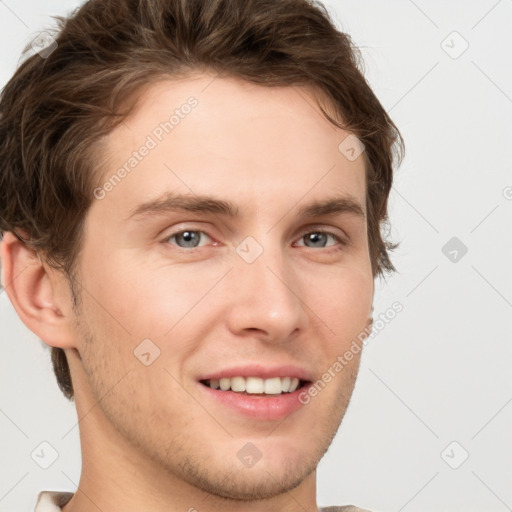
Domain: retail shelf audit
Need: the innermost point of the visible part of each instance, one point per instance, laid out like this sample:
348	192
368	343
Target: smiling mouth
256	386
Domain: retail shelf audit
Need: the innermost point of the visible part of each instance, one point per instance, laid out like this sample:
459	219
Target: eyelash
342	242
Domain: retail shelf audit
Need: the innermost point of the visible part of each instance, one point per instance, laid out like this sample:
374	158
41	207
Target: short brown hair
58	106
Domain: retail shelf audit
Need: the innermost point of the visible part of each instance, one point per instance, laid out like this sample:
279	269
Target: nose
265	299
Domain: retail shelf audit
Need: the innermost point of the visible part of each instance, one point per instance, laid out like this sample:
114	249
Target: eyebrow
171	202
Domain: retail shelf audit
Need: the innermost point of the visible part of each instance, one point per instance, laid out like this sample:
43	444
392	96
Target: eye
187	239
191	239
319	238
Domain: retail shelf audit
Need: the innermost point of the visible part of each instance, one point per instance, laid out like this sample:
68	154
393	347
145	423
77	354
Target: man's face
269	292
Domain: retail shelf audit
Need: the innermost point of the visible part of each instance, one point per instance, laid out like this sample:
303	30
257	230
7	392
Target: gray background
435	384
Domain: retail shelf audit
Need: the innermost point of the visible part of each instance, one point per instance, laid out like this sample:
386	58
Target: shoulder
345	508
52	501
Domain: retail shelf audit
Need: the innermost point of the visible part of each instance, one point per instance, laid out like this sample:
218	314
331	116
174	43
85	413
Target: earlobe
36	293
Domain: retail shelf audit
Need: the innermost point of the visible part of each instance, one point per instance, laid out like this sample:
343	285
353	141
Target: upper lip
261	371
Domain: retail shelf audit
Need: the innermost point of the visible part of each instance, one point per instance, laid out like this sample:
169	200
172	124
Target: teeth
238	384
255	385
225	384
272	386
294	384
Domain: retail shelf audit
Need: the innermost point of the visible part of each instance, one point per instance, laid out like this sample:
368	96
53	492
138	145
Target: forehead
204	134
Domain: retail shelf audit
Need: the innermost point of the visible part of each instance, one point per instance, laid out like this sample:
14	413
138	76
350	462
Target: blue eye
317	239
320	238
189	238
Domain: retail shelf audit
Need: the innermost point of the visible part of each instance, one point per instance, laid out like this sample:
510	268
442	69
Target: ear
40	295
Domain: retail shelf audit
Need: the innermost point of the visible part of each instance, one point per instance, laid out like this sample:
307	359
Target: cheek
144	299
344	305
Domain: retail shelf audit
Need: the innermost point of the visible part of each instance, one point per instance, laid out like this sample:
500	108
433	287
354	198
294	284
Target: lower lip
270	407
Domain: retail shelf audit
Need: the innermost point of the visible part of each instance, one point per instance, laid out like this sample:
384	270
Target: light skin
150	437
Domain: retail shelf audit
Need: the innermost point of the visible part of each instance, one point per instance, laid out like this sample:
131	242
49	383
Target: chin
260	482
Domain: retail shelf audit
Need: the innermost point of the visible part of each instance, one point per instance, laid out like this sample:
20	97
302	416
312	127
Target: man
191	193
